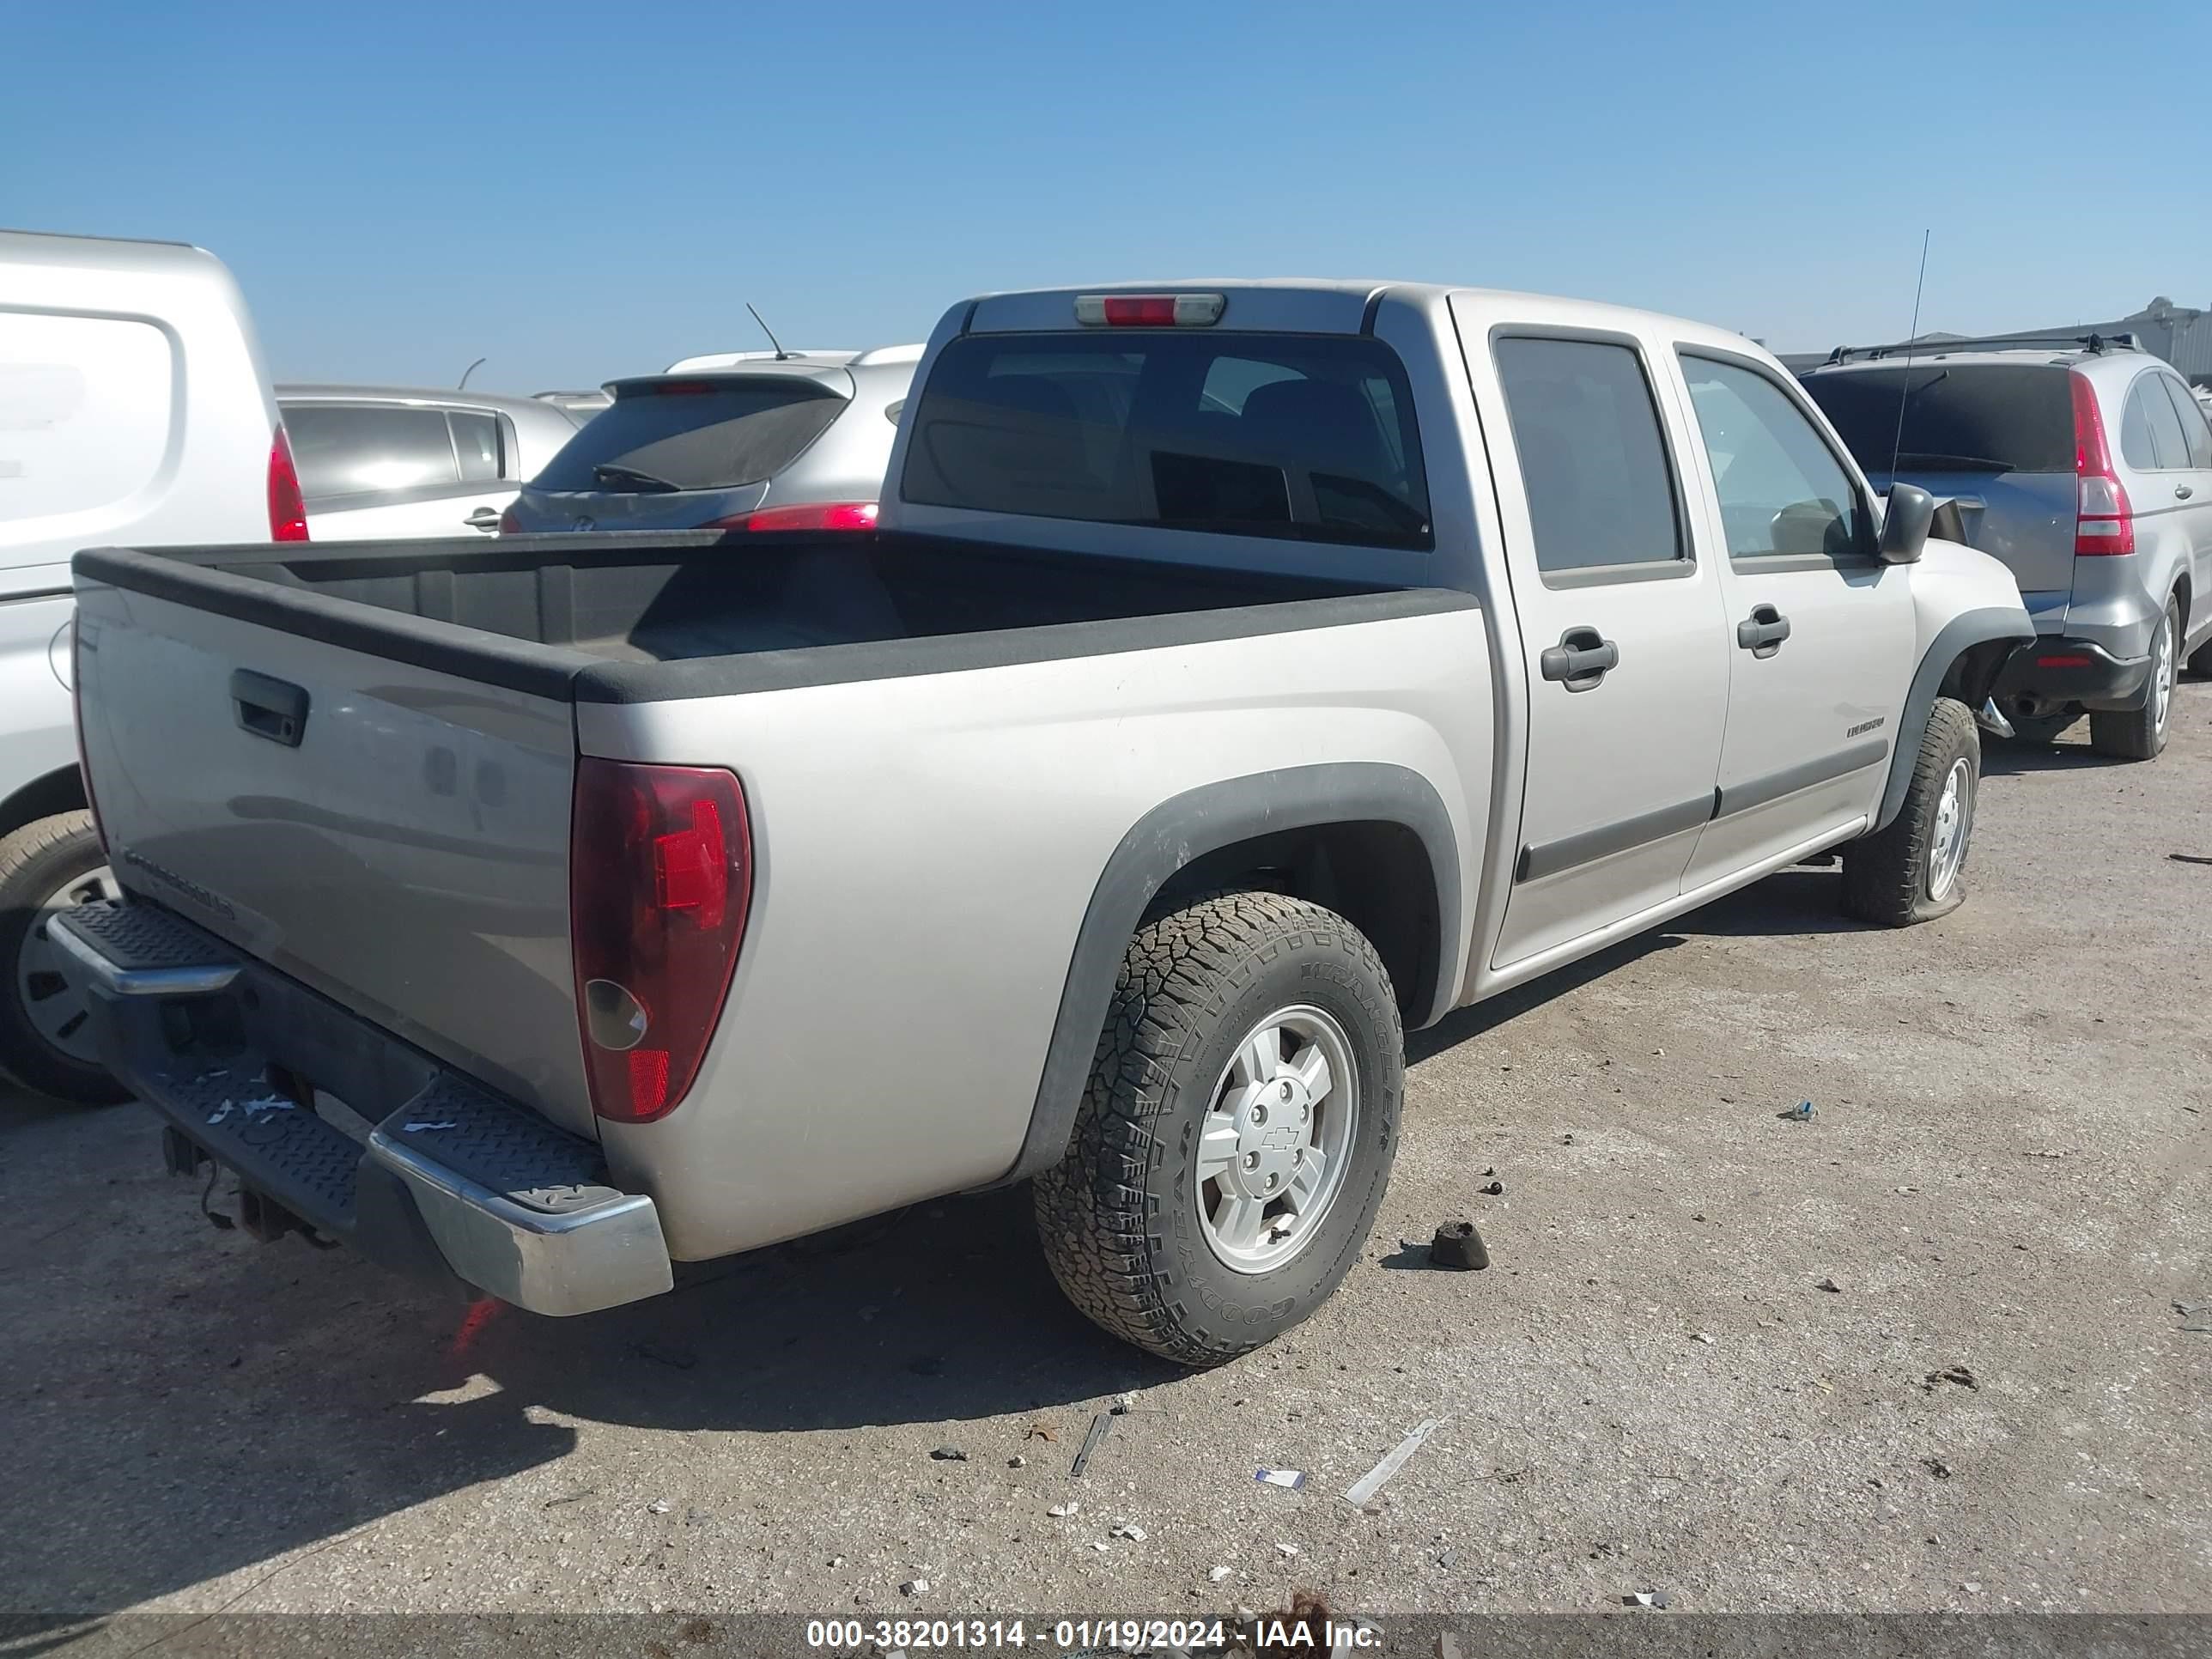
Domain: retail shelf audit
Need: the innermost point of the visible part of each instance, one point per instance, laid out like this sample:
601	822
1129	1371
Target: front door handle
484	518
2183	492
1762	632
1581	659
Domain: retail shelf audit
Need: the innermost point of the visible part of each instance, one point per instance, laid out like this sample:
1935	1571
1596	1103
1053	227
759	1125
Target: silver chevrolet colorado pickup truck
1243	672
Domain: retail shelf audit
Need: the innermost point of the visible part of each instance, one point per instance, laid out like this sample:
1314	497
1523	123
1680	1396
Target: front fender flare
1963	631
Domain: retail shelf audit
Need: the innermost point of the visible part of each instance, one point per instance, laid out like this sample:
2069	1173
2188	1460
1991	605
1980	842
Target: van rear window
1968	417
1300	436
702	433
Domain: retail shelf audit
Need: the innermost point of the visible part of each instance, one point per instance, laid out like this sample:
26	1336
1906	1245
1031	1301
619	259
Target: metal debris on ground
1124	1404
1099	1425
1293	1479
1061	1511
1704	1337
1830	1286
1216	1575
1801	1113
949	1455
1495	1190
1646	1599
1039	1432
1937	1467
1958	1374
1018	1462
1371	1483
915	1587
1123	1529
1288	1549
658	1506
1458	1245
2189	857
2196	1316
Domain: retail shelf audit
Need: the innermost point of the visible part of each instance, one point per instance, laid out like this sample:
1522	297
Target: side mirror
1905	523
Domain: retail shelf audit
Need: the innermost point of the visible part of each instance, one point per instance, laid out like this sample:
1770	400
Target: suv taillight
807	515
2104	521
659	881
288	510
509	524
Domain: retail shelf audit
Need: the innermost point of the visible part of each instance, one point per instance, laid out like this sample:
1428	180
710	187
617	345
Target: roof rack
2095	344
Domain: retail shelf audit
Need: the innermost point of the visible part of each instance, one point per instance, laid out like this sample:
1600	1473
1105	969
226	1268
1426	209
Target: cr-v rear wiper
1964	462
611	472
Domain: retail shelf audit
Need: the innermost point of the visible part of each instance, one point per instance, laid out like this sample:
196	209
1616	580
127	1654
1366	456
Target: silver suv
2086	467
795	442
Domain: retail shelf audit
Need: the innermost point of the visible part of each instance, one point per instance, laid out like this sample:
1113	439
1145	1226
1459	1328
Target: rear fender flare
1186	828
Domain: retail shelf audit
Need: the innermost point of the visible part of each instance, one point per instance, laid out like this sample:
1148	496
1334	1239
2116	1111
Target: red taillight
1150	310
659	881
682	389
813	515
509	524
288	511
2104	522
77	709
2061	662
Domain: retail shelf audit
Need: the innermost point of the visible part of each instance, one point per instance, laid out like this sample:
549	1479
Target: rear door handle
1581	659
272	709
482	519
1762	632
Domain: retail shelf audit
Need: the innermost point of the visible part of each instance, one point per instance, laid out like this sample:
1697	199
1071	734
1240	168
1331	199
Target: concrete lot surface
1998	1406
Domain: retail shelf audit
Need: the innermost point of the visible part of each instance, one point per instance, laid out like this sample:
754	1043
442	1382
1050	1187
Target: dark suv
2086	467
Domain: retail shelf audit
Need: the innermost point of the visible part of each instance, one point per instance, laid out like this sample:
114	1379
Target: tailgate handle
272	709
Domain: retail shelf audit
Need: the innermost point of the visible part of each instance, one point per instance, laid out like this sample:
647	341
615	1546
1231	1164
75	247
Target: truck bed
607	617
356	762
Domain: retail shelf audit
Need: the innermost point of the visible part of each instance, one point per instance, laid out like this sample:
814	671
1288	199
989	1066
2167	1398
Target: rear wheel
2140	734
1912	871
1237	1132
45	1035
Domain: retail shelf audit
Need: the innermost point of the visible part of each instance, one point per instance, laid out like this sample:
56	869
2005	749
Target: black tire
2037	730
35	862
2140	734
1887	875
1119	1215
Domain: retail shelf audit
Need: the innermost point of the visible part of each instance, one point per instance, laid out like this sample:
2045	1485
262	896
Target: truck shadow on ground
2002	759
185	1404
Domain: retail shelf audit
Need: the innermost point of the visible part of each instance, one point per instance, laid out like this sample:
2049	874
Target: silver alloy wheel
1954	822
2161	674
57	1009
1277	1137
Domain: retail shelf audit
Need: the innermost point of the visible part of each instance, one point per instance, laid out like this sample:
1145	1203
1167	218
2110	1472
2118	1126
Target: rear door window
364	449
1961	417
1304	437
2194	429
476	446
1593	460
693	435
2169	447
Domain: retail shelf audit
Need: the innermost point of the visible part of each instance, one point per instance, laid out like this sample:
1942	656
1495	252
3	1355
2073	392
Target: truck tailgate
392	835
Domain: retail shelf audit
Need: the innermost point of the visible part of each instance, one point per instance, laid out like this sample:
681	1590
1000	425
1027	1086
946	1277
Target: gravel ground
1655	1387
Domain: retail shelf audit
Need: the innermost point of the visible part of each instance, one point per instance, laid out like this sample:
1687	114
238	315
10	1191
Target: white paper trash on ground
1371	1483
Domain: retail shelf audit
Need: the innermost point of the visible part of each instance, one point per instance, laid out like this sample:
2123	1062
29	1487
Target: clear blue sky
578	192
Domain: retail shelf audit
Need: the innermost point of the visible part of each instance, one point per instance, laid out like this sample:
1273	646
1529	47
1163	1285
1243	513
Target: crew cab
1242	674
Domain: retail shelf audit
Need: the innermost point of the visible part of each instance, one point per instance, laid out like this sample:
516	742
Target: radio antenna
782	355
1911	339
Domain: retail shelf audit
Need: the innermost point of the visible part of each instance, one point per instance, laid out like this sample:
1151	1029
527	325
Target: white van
134	412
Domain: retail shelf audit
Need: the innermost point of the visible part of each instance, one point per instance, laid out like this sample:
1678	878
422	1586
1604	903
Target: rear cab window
708	433
1964	417
1295	436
